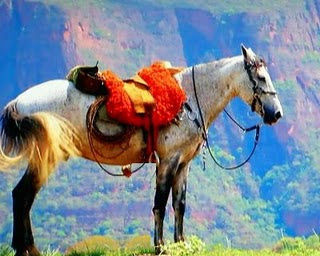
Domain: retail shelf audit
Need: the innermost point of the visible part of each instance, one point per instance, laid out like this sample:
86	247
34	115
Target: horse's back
55	96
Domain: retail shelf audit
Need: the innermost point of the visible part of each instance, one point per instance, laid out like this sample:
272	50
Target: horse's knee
160	202
179	206
18	197
25	191
159	213
15	193
179	200
19	189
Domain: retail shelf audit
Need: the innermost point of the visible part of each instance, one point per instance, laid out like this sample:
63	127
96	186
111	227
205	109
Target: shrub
192	246
94	243
313	242
98	252
51	252
138	242
288	244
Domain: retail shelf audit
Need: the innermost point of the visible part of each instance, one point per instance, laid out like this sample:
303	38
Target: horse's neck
216	84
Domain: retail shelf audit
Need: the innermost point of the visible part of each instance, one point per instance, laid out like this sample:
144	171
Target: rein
205	135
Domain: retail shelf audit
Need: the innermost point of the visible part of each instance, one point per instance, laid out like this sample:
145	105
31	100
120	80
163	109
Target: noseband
258	91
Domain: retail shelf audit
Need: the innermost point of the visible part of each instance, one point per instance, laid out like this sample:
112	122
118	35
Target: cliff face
31	45
41	40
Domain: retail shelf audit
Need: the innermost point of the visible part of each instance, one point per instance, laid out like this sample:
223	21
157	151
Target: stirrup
154	155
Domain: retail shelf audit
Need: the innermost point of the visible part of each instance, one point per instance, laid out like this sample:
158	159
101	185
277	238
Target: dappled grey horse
47	124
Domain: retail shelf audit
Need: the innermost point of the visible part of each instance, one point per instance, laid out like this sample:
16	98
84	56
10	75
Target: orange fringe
168	95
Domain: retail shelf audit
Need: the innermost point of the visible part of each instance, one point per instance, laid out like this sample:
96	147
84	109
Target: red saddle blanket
167	93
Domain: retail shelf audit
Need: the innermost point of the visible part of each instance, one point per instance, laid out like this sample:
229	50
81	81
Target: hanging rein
257	92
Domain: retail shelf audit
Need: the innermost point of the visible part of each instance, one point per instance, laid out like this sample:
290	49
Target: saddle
150	99
87	80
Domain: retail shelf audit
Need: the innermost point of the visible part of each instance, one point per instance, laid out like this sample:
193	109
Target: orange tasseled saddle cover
167	94
149	100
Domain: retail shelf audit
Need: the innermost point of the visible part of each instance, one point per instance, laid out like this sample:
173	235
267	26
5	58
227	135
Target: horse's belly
129	150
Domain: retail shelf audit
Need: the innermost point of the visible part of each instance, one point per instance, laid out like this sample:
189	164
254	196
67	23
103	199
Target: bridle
257	92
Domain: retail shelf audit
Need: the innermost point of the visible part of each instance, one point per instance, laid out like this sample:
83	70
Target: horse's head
258	90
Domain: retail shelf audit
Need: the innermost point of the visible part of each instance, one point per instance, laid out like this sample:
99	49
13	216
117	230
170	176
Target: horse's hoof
181	238
30	251
157	250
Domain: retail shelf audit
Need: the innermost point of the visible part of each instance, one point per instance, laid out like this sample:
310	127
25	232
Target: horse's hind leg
23	196
164	182
179	189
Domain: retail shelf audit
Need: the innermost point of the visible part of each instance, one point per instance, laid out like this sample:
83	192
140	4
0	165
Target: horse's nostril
278	115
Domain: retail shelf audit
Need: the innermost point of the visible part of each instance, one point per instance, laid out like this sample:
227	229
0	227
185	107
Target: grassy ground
194	246
214	252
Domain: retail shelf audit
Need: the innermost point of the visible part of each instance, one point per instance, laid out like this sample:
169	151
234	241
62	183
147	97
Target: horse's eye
262	79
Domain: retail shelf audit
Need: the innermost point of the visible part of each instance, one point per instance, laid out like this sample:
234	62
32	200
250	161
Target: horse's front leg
179	189
164	182
23	196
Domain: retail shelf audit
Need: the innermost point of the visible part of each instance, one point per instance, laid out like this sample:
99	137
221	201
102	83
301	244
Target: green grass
194	246
6	251
214	252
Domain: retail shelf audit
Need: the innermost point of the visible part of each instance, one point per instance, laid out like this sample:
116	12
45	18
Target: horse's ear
244	52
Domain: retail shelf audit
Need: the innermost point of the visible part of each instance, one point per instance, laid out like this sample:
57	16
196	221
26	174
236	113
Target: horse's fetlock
30	250
157	247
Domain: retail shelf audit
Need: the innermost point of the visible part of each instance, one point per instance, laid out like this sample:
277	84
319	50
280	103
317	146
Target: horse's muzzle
272	115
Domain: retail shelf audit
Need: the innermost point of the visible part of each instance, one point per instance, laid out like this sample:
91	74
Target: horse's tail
43	139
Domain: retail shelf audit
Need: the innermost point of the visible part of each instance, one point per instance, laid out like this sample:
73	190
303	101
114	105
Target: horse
46	125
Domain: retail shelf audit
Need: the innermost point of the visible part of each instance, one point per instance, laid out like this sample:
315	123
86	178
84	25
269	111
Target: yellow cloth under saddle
138	91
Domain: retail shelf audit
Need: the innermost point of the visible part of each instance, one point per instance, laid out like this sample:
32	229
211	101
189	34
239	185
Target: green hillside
277	194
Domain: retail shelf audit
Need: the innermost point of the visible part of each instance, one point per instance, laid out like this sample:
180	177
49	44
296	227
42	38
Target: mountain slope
279	189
